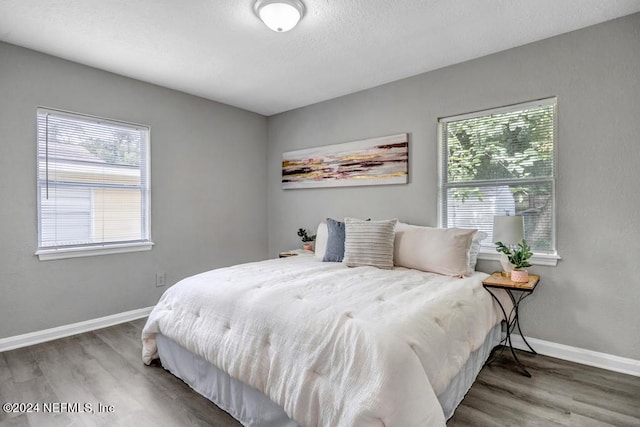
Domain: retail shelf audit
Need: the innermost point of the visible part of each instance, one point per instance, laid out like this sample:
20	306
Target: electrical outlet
161	279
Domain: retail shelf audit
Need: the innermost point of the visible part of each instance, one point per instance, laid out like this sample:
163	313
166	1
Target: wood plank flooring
559	393
104	367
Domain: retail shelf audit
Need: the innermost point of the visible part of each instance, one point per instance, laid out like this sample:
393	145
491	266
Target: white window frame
548	259
61	252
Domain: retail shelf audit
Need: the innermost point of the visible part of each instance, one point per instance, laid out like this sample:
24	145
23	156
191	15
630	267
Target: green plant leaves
518	256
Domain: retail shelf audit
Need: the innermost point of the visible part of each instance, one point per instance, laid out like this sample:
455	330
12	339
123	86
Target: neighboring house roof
70	152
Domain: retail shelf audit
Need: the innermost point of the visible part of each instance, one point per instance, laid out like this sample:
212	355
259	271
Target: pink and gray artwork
374	161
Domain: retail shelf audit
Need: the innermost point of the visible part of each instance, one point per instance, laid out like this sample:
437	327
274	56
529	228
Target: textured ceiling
218	49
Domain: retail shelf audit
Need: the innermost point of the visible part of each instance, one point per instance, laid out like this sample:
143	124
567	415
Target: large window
501	162
93	185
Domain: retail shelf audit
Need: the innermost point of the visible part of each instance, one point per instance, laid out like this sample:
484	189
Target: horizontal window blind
93	181
500	162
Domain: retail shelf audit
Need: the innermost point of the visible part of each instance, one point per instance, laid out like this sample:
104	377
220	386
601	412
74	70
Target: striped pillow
369	243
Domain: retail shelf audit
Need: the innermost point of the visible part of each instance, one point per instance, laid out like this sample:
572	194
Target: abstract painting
374	161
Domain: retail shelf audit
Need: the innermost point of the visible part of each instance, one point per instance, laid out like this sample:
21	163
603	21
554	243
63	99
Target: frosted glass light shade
279	15
508	229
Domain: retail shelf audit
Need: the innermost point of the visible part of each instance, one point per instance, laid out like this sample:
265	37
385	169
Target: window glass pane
510	145
475	207
66	216
118	214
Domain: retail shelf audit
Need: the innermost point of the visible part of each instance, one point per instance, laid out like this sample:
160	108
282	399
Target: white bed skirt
252	408
462	382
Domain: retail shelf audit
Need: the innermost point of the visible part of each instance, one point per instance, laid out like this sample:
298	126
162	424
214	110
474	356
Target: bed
298	341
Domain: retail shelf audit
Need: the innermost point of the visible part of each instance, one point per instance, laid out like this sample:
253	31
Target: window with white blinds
93	185
501	162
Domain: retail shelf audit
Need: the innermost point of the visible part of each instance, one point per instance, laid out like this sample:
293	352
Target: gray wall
208	192
590	300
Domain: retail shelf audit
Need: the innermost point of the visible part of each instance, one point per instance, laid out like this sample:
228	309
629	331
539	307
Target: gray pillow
335	241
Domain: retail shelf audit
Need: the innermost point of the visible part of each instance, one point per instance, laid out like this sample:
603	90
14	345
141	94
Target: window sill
539	259
51	254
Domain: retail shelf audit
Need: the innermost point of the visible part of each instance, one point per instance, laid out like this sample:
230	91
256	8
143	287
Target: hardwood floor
104	367
559	393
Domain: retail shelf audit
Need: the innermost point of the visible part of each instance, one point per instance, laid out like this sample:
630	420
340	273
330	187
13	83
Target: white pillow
369	243
474	250
322	235
402	226
438	250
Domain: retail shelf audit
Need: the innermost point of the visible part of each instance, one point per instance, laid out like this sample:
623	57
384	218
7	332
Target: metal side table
512	319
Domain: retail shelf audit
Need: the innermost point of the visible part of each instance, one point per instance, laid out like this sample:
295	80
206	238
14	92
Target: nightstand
294	252
523	290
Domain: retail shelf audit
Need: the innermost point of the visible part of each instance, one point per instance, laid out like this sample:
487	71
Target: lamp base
507	267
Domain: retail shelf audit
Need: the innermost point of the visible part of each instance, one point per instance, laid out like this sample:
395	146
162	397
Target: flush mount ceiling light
279	15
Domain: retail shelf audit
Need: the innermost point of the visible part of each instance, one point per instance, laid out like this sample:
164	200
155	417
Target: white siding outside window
501	162
93	185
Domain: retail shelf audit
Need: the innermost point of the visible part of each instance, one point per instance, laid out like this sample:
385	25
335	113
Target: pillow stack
382	244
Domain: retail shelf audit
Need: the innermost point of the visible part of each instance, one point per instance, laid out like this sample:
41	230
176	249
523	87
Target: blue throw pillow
335	241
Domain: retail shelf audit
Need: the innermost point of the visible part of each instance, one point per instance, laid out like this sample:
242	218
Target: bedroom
217	198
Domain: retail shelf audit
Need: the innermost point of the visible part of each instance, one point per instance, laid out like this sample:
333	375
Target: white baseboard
547	348
38	337
580	355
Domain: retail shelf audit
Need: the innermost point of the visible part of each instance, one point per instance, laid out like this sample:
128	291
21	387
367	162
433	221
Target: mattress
253	409
331	345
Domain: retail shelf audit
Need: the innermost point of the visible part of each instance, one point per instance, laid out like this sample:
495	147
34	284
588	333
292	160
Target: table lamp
510	231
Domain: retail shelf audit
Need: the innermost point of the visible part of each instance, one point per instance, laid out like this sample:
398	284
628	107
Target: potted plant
306	239
518	256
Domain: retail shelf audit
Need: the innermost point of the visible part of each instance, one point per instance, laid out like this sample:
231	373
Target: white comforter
334	346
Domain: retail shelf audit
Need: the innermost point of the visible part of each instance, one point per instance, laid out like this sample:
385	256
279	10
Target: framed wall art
374	161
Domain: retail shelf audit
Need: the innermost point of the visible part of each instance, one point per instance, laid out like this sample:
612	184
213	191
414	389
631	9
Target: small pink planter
520	276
